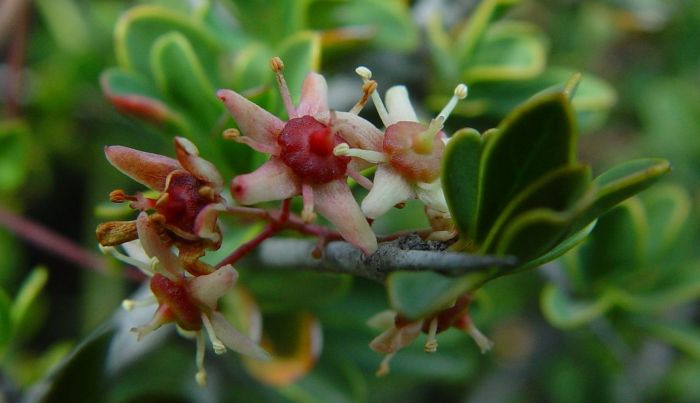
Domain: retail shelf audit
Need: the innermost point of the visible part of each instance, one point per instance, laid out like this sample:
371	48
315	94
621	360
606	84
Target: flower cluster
313	154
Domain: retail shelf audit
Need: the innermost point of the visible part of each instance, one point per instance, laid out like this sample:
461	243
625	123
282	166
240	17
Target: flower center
176	297
403	145
184	202
306	146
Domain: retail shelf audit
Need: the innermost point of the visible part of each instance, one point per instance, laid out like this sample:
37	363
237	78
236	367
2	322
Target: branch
408	253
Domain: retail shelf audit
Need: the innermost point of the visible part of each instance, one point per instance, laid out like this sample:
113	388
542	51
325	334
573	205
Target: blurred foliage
625	295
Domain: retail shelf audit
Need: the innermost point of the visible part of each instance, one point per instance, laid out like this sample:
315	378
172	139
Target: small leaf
508	51
667	209
563	312
620	183
271	20
14	154
6	327
682	336
460	179
469	37
557	190
537	137
560	249
138	29
418	295
248	70
27	294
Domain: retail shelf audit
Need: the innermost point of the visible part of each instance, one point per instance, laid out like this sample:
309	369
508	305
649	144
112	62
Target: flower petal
145	168
399	105
254	121
234	339
396	338
389	189
335	201
208	288
153	246
358	132
272	181
188	155
205	224
314	96
431	195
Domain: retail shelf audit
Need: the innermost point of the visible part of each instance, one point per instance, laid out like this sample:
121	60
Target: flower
186	209
188	301
302	159
400	332
409	156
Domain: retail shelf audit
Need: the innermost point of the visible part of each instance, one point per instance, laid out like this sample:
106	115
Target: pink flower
302	159
186	208
409	156
399	332
188	301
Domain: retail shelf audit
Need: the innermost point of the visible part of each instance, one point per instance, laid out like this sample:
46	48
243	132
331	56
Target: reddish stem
16	62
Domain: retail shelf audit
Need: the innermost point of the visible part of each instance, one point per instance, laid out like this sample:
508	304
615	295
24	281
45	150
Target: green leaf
138	29
560	249
537	137
682	336
418	295
508	51
620	183
469	37
667	209
460	179
133	94
557	190
564	312
440	47
14	154
248	70
27	294
618	243
270	20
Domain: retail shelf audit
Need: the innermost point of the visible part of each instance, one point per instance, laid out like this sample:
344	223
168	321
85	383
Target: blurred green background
614	320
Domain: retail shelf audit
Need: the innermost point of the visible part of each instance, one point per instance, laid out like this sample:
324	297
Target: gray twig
408	253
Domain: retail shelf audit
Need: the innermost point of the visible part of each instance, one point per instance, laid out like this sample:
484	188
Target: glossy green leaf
417	295
249	67
564	312
557	190
133	94
508	51
667	209
440	47
460	179
534	139
301	54
14	154
682	288
618	243
138	29
620	183
471	34
270	20
560	249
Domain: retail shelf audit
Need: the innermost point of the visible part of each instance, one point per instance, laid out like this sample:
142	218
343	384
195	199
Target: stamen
277	66
484	343
130	304
368	89
119	196
366	75
219	347
360	179
159	319
146	267
235	135
431	344
201	375
460	93
375	157
307	194
383	369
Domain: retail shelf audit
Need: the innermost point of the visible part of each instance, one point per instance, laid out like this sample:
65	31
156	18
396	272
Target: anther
201	375
118	196
231	134
368	89
219	347
366	75
277	66
431	344
460	92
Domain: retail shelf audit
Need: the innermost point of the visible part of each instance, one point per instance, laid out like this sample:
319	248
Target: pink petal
399	105
208	288
358	132
205	223
389	189
254	121
154	247
188	155
394	339
146	168
234	339
272	181
335	201
314	96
